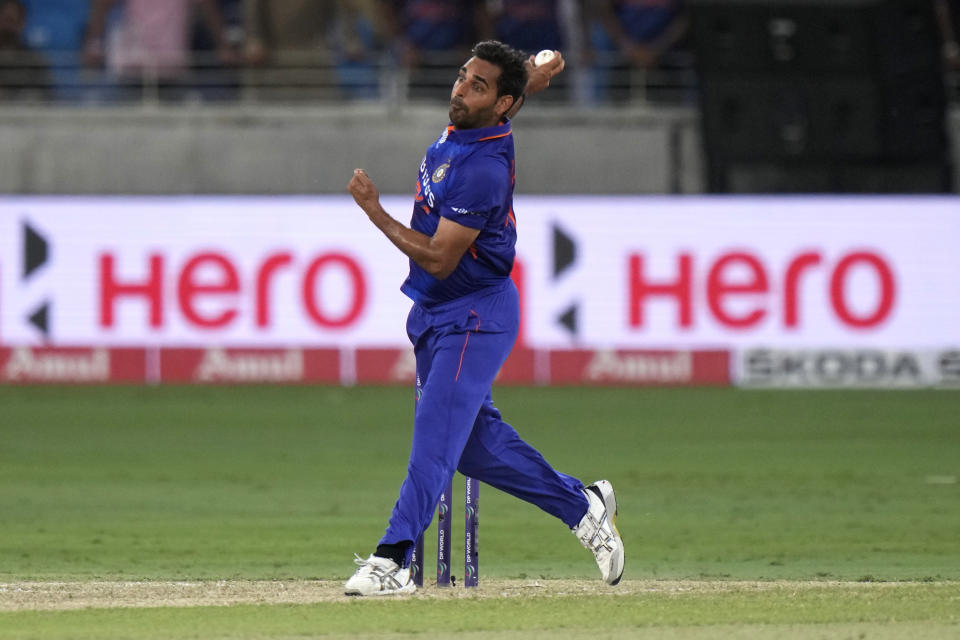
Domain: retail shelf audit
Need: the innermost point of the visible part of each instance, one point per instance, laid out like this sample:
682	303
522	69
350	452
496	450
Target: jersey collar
467	136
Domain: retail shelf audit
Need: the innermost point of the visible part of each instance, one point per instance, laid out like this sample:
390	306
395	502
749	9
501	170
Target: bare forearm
516	106
438	254
538	79
415	245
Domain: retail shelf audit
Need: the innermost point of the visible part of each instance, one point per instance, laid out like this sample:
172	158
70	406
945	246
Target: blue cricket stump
471	564
444	535
471	506
416	563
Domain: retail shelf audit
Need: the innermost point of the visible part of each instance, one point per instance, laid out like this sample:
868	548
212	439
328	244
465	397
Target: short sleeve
477	189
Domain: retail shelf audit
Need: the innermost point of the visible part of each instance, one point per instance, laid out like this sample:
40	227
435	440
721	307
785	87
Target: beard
463	118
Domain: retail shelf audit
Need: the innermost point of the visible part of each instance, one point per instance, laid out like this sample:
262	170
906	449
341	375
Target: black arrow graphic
564	251
41	319
34	250
569	318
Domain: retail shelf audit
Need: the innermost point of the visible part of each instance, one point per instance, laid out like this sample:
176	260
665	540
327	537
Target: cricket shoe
597	531
379	577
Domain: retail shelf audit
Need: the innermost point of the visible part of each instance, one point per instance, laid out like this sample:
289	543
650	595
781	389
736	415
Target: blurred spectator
632	34
307	49
527	25
531	26
948	15
427	36
421	27
232	30
356	41
147	46
215	80
23	72
278	28
56	28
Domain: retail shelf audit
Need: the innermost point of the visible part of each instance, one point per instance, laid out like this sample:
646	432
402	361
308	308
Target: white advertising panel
191	271
681	272
595	272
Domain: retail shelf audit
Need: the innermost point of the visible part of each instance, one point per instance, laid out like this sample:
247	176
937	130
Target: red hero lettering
738	289
266	272
214	293
800	264
838	289
720	287
680	290
314	272
189	287
150	289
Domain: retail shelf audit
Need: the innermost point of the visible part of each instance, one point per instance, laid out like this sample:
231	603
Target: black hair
513	71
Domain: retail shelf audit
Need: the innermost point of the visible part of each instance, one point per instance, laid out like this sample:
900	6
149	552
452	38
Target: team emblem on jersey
440	173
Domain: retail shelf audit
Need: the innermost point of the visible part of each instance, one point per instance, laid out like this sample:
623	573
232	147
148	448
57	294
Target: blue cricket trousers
459	347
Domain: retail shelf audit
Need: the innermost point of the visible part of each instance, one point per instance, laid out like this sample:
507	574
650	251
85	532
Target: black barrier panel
808	86
823	117
792	36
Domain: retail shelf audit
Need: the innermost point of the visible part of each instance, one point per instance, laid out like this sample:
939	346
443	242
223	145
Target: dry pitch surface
36	596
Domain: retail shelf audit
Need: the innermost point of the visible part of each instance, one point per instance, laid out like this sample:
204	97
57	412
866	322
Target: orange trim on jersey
501	135
466	340
510	218
473	251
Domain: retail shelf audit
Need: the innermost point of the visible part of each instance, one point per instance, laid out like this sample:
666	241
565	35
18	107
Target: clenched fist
363	190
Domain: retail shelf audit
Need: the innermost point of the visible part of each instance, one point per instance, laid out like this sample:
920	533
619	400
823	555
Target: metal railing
311	78
306	77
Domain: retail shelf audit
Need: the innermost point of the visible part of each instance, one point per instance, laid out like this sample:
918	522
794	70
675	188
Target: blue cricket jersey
467	176
462	329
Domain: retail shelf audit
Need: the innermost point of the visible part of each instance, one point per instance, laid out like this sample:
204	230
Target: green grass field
724	487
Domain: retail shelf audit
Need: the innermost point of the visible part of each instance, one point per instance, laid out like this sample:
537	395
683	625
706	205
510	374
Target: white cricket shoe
597	531
378	577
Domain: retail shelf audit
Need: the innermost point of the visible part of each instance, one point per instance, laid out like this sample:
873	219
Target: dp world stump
471	567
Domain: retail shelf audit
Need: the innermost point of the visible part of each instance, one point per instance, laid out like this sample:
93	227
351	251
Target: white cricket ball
543	57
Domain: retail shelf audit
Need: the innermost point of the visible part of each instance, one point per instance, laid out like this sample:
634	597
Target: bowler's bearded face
473	101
